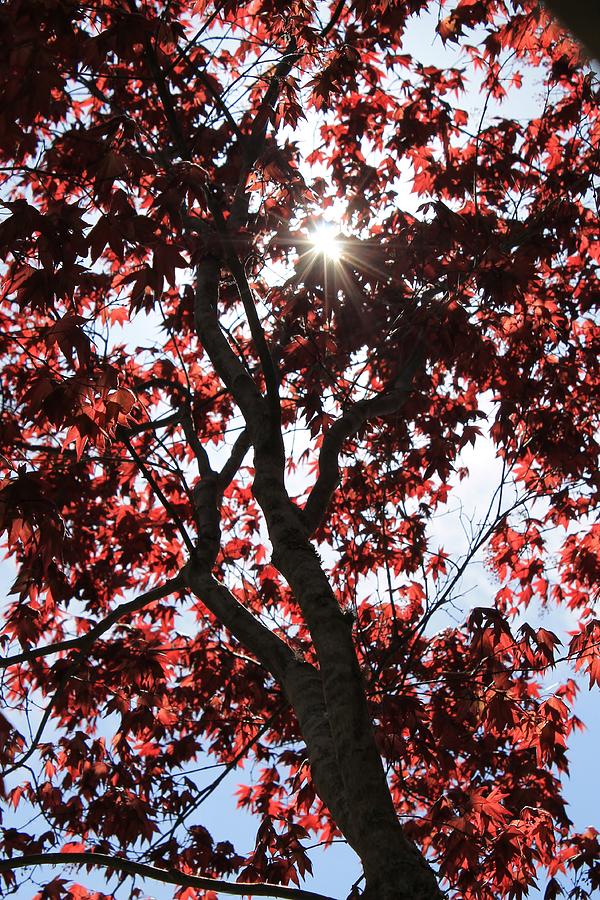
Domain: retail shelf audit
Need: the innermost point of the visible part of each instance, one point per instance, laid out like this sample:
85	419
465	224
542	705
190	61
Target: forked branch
300	681
273	653
227	366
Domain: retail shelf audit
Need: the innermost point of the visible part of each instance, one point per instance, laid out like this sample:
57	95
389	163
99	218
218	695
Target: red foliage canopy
225	454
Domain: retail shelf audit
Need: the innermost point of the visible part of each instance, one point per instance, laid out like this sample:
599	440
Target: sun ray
325	240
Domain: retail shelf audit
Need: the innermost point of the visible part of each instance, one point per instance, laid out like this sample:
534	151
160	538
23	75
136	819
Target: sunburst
326	240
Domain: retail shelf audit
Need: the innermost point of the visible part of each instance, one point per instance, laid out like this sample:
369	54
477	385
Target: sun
325	239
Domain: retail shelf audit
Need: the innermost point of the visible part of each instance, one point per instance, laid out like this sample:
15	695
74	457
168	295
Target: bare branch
219	102
208	492
207	508
139	427
257	332
334	18
194	39
170	876
204	466
209	789
163	383
40	729
231	467
254	142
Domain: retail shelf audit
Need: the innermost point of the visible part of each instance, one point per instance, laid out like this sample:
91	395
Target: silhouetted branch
40	729
209	789
231	467
84	641
334	18
139	427
351	420
170	876
228	367
273	653
256	330
157	490
204	466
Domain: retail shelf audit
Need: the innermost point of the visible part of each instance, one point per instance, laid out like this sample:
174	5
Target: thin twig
158	491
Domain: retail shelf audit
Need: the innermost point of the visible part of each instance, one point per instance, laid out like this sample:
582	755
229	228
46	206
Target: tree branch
348	424
157	490
231	467
204	467
164	93
85	640
254	142
209	789
245	292
372	827
40	729
139	427
228	367
273	653
219	102
300	681
334	18
257	332
166	876
255	138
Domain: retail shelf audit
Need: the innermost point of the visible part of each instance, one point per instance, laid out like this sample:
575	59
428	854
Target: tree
225	451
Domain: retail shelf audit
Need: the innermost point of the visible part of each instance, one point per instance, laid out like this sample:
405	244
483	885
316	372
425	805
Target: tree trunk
394	868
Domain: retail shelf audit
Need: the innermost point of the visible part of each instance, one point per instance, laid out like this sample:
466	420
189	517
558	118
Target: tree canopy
228	437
